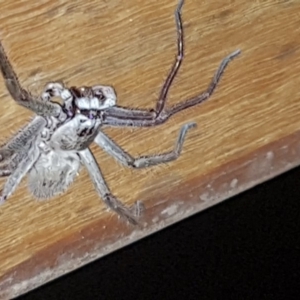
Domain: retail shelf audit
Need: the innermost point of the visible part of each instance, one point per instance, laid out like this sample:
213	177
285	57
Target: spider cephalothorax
55	144
84	108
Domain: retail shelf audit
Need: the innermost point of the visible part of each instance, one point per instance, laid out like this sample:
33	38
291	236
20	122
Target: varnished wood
247	132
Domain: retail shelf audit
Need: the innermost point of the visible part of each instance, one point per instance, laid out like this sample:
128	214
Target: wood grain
247	132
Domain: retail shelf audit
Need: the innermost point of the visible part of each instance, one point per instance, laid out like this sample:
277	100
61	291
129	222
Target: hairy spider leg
22	96
126	159
19	172
131	213
15	150
18	142
122	117
8	167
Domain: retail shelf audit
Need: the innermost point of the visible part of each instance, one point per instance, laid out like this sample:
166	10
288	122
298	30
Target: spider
51	149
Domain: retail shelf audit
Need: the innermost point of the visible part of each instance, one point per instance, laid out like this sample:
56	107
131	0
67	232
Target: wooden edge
215	187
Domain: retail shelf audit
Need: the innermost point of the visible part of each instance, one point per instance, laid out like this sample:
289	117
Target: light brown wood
247	132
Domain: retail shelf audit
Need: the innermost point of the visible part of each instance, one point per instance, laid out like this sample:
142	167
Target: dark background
244	248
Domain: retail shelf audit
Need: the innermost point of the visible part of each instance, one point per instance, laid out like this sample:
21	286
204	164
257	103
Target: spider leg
22	138
121	116
19	172
144	161
8	166
126	117
177	63
22	96
130	213
121	112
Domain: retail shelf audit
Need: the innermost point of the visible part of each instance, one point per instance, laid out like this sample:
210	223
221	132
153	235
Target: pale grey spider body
55	144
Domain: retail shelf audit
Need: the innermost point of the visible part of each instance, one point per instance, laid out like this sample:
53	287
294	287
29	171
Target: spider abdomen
52	174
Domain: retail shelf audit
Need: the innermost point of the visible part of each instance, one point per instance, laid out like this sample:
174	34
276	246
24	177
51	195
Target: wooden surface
247	132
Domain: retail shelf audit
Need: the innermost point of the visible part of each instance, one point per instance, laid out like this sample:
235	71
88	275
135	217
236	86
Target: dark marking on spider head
91	101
